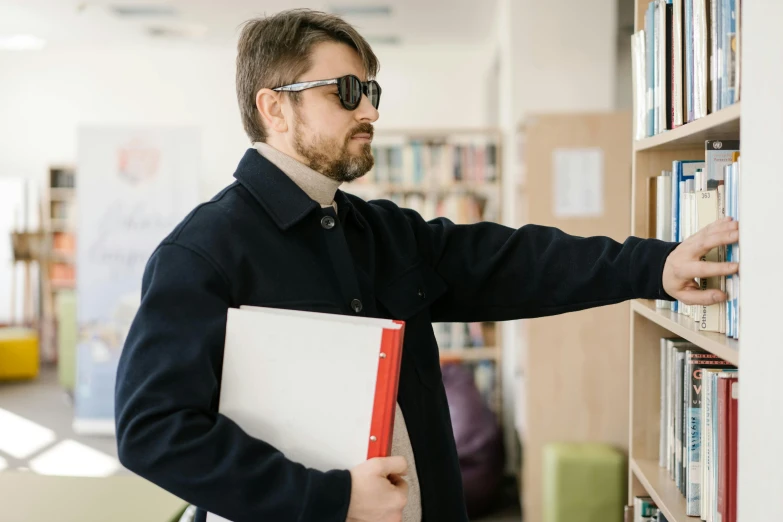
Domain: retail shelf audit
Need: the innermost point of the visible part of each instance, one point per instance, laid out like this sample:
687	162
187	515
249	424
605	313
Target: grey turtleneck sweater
322	190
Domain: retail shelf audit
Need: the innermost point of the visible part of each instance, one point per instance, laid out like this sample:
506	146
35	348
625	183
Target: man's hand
684	264
378	491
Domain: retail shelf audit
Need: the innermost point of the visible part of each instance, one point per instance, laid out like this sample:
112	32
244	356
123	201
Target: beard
332	157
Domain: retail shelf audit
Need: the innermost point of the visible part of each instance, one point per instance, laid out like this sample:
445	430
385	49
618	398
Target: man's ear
269	105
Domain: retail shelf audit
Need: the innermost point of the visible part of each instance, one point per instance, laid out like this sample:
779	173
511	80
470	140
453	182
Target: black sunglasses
349	88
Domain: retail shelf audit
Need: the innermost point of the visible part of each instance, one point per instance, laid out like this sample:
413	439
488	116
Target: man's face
333	140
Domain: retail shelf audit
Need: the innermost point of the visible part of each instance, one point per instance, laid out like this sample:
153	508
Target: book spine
657	30
693	436
732	432
688	22
706	457
668	77
723	455
663	213
664	371
678	419
649	21
708	315
731	53
677	119
713	508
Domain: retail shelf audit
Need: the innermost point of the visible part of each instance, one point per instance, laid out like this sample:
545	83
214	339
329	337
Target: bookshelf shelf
62	194
724	124
715	343
488	353
662	489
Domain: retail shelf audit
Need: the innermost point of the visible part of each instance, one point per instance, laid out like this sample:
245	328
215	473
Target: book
644	509
708	317
696	362
663	221
649	46
279	370
639	82
677	50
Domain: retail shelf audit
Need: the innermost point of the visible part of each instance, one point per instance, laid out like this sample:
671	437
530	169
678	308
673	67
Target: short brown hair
275	50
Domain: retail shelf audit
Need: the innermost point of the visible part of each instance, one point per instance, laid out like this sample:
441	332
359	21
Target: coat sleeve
166	398
496	273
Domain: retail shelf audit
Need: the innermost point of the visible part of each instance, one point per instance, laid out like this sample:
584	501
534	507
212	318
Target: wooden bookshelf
721	125
662	489
486	353
679	325
59	221
649	324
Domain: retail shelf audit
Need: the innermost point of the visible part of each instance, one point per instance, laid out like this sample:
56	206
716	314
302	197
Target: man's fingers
392	465
718	233
701	297
715	239
704	269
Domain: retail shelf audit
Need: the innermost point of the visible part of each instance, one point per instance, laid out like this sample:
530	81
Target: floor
48	444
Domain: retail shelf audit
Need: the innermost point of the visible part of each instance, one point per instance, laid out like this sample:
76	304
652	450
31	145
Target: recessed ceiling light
388	39
21	42
144	10
361	10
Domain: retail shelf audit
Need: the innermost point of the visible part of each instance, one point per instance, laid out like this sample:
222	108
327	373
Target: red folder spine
386	384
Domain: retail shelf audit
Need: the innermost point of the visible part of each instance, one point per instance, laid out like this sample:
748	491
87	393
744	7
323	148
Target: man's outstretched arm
497	273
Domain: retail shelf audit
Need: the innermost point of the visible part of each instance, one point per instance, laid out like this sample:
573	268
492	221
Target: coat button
422	293
327	222
356	305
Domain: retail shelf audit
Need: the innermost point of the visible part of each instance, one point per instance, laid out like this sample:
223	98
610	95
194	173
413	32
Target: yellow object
18	353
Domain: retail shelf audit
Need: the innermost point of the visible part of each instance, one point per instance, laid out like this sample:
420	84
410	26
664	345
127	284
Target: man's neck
317	186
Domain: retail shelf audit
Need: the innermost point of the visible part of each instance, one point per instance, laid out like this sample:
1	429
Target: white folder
321	388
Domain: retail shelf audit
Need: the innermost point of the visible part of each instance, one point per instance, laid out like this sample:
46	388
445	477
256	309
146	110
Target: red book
731	472
728	393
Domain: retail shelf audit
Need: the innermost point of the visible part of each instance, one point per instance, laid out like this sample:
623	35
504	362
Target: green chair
583	482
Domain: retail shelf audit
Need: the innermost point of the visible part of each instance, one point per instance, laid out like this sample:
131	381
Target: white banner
134	185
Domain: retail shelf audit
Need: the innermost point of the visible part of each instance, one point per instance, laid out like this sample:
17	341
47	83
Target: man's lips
362	136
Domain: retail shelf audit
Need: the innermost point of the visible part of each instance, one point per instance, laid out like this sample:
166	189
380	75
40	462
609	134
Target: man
284	235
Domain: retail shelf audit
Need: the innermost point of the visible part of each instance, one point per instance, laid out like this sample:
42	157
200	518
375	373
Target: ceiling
120	22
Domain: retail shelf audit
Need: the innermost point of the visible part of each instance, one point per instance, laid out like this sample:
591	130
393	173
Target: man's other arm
168	428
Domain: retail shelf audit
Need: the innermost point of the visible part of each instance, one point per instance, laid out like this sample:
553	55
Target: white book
708	316
663	217
663	441
278	384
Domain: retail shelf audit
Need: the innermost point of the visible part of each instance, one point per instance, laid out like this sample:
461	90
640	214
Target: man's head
312	125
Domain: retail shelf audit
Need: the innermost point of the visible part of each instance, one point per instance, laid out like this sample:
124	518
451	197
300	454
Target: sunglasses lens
374	93
350	89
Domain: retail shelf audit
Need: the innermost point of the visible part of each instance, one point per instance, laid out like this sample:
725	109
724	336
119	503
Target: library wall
195	86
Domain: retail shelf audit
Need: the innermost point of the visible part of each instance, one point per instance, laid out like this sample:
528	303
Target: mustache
362	128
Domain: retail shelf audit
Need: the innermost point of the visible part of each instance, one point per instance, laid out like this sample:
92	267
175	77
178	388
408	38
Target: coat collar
283	200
